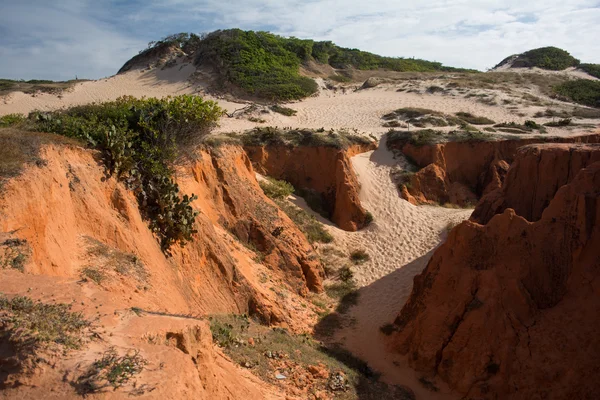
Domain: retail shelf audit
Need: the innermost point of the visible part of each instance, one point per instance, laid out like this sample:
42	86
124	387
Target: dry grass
18	148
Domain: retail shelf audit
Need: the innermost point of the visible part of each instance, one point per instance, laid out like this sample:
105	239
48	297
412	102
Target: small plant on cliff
140	139
30	325
276	189
475	120
12	119
111	371
312	229
368	218
359	256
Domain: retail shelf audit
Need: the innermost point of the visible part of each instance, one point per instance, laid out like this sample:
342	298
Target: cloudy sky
59	39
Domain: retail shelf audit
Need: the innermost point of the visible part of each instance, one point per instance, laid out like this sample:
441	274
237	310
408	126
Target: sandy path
400	232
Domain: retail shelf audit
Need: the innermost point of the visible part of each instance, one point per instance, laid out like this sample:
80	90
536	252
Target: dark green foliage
140	139
551	58
368	218
592	69
345	274
475	120
267	65
559	123
582	91
28	325
288	112
111	371
316	201
359	256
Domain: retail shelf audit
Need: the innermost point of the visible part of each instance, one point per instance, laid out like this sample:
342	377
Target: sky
62	39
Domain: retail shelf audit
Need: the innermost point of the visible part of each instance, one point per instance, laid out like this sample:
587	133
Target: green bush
359	256
12	119
592	69
551	58
267	65
472	119
276	189
284	110
340	78
582	91
139	140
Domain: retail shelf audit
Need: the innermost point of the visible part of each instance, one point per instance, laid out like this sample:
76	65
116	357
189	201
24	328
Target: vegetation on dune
423	118
592	69
267	65
397	139
140	139
473	119
528	127
581	91
270	136
35	85
551	58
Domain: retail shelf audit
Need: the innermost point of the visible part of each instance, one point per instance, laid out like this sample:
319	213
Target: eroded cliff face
461	172
326	170
509	310
534	178
84	242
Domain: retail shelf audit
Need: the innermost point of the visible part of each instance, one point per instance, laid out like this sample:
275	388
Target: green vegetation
288	112
592	69
559	123
30	326
312	229
472	119
582	91
269	136
359	256
551	58
13	254
110	371
340	78
528	127
276	189
34	85
267	352
12	120
397	139
140	139
267	65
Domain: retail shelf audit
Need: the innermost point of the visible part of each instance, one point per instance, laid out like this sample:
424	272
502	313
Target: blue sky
59	39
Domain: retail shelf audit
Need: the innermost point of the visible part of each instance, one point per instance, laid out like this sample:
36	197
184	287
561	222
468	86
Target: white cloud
94	39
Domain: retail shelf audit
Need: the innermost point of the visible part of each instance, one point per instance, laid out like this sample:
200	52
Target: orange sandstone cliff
461	172
67	219
325	170
510	309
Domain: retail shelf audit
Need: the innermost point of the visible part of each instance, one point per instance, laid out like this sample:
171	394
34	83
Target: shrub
359	256
283	110
140	139
275	189
340	78
559	123
472	119
551	58
12	119
312	229
29	325
582	91
111	371
368	218
345	274
592	69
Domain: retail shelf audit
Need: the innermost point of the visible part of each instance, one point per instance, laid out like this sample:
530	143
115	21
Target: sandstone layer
461	172
325	170
509	310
